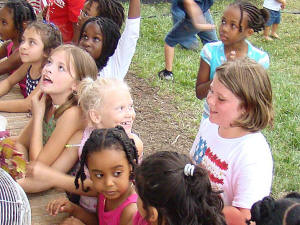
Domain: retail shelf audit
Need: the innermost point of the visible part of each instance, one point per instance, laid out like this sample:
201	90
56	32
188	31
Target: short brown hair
250	82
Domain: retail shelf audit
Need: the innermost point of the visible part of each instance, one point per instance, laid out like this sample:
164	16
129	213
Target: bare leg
169	57
274	30
266	34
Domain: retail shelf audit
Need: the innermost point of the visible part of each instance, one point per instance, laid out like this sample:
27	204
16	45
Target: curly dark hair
22	12
100	139
111	9
110	34
179	199
277	212
256	17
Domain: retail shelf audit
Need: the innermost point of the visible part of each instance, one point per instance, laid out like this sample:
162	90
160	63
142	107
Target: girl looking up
111	9
55	112
239	21
100	37
111	157
105	103
174	191
37	42
229	144
14	17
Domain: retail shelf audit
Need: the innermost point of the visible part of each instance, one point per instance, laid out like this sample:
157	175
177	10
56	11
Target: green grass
284	72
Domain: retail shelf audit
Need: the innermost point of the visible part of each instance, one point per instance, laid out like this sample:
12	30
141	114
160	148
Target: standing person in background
192	42
273	6
188	26
64	14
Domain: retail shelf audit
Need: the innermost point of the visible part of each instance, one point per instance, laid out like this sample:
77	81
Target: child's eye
96	39
233	26
31	42
221	99
85	37
48	62
99	175
117	173
223	21
61	68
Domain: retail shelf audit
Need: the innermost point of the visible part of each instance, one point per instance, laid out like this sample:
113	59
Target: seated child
37	42
285	211
229	144
110	157
172	190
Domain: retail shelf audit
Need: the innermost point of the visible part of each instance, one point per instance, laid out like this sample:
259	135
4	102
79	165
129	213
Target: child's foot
165	75
275	36
267	38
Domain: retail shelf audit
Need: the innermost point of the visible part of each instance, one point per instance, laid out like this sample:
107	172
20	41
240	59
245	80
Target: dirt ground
155	121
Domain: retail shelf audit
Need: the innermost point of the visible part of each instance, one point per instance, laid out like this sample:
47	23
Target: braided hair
22	12
110	34
256	17
100	139
277	212
179	199
111	9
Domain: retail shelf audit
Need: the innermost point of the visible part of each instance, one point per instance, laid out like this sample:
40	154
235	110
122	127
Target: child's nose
108	181
210	99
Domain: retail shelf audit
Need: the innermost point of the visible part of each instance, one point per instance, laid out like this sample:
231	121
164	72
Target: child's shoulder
128	213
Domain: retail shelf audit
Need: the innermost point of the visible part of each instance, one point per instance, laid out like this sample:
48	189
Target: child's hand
38	104
60	205
72	221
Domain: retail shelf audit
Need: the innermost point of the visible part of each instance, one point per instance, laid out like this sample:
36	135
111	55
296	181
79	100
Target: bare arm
128	214
203	82
7	84
66	126
236	216
11	63
196	15
18	105
23	141
134	9
3	49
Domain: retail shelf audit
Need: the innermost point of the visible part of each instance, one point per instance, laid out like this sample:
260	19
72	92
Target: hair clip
51	24
189	170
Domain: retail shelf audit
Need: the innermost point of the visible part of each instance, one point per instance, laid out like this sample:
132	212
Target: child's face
109	170
31	47
229	29
117	109
57	78
224	106
89	10
7	26
91	40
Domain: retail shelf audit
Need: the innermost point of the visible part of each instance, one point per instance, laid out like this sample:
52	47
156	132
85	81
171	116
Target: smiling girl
229	144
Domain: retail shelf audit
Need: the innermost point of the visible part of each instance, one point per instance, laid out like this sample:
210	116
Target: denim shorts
183	30
275	17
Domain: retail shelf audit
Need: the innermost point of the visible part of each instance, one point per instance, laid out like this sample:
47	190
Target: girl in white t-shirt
229	143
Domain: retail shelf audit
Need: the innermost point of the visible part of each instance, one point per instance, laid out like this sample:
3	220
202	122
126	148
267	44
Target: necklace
55	106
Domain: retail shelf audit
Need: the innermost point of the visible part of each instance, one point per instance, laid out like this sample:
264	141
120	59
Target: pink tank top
139	220
112	217
22	83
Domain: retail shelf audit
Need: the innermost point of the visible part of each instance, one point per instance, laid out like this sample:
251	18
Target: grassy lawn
284	72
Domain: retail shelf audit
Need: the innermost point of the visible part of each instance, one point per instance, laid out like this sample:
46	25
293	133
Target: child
55	105
37	42
239	21
187	27
111	9
174	191
111	158
13	19
64	14
100	37
285	211
229	144
105	103
273	6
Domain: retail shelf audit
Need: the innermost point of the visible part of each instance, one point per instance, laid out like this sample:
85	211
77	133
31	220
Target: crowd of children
80	138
